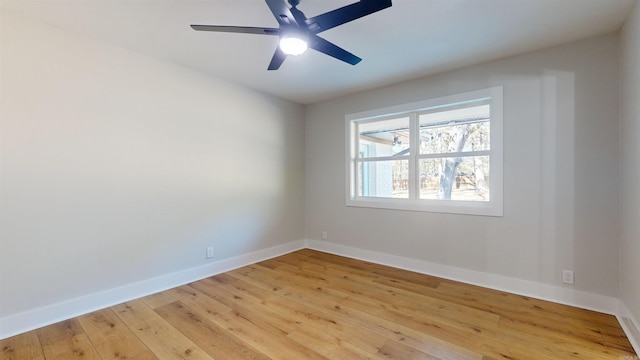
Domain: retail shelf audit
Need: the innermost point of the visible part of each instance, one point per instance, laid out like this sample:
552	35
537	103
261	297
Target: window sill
491	208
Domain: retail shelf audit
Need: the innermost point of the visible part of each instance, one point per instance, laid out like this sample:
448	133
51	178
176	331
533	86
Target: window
441	155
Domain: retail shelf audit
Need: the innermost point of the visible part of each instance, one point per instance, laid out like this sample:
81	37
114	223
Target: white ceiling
412	38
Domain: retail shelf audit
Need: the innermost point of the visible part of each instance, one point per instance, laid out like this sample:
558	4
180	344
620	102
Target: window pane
465	178
460	130
384	138
389	179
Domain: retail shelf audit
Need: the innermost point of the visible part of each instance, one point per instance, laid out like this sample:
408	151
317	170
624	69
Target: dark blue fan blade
345	14
319	44
277	60
282	13
237	29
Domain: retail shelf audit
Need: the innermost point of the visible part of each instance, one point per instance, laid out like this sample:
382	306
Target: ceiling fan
297	32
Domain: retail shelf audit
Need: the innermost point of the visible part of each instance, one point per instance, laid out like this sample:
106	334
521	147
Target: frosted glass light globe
293	45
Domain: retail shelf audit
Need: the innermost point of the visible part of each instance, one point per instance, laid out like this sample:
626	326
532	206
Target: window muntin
442	155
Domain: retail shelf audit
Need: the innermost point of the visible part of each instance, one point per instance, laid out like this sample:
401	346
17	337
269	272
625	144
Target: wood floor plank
165	341
213	339
59	331
301	314
416	339
377	269
276	284
314	305
620	342
468	338
259	313
198	301
22	347
147	355
309	318
266	339
66	340
253	272
71	348
111	338
329	345
223	278
158	299
271	263
395	350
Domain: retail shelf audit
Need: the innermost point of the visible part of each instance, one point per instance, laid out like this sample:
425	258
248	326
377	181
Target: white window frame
493	207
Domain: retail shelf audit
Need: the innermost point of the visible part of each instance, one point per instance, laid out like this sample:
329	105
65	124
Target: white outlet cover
567	277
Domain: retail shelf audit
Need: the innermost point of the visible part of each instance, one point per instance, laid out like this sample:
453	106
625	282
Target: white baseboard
37	318
562	295
630	325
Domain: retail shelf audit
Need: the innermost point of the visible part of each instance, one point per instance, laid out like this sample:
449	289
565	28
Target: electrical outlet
567	277
324	235
209	252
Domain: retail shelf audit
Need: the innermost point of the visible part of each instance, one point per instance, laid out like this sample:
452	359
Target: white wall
117	168
630	164
561	153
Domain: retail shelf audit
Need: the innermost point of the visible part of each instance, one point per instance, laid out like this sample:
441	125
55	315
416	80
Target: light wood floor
312	305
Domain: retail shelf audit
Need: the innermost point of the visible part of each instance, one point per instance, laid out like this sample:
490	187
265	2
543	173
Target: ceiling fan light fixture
293	45
296	32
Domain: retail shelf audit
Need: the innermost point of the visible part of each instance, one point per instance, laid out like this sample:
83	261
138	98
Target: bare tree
447	176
